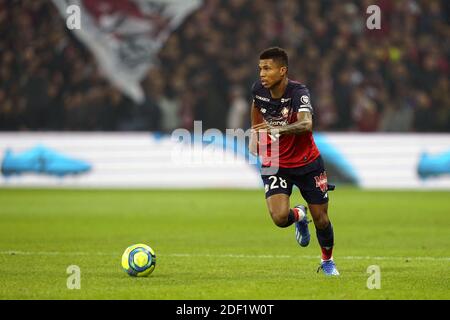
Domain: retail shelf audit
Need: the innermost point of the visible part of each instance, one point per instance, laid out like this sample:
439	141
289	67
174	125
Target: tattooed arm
303	124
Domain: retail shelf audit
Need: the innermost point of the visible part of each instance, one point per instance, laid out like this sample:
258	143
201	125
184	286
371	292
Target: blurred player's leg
325	236
282	215
302	234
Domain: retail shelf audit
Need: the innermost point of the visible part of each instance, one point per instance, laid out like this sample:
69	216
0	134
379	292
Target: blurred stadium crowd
393	79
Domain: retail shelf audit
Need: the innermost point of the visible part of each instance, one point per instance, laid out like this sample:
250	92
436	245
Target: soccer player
281	116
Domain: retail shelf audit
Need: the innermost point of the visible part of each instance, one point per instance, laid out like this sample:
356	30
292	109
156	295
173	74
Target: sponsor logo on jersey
284	112
278	123
262	98
283	100
263	110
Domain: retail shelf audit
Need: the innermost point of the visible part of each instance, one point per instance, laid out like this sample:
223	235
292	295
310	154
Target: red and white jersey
293	150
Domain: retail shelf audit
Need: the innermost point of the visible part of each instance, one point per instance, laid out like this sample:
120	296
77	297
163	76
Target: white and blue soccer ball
139	260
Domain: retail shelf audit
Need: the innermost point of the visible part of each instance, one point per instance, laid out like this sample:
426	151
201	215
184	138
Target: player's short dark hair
276	54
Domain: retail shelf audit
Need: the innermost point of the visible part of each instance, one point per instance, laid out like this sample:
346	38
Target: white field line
243	256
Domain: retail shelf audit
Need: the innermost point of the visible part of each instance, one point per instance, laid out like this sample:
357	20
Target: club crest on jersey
304	99
322	182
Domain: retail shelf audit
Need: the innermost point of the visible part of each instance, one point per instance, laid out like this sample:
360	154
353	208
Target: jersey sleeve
302	101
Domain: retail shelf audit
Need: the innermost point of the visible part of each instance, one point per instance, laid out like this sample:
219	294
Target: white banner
123	160
125	36
118	160
403	161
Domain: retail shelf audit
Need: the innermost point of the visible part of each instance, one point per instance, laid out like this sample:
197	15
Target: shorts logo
322	182
304	99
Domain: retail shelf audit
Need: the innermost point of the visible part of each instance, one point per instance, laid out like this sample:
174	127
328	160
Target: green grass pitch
220	244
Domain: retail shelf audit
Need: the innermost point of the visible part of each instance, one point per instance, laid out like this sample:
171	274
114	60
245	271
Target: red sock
297	214
327	253
295	210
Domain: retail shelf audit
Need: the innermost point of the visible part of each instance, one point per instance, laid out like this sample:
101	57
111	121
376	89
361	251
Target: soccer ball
139	260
